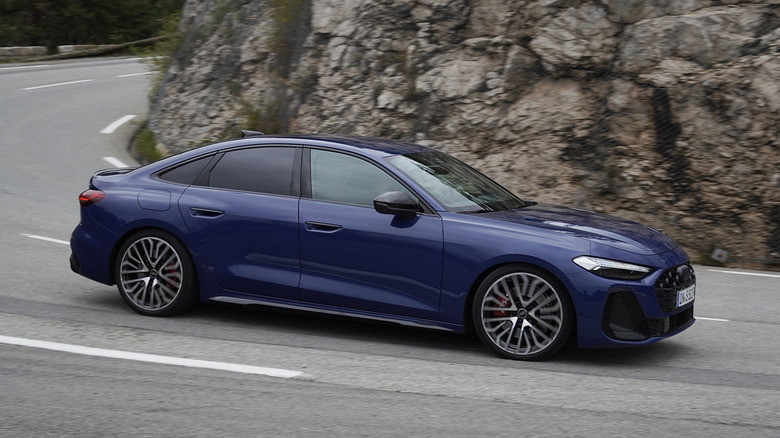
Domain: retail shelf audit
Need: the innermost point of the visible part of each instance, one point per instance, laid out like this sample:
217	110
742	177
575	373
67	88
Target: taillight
89	197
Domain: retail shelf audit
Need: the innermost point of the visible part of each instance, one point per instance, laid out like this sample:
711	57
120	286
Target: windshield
455	185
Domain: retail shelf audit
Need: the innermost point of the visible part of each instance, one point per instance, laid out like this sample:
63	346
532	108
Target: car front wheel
155	274
522	313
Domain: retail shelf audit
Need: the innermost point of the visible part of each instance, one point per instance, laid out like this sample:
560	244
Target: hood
599	228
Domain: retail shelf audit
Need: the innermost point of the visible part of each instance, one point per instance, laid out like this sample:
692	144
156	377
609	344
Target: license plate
686	295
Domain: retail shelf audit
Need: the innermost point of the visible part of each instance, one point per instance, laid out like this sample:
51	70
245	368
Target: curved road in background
75	361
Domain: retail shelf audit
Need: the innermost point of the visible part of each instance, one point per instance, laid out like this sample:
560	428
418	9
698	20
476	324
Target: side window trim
306	174
203	179
295	182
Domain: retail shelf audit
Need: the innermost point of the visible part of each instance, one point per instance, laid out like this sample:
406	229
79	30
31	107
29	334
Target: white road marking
134	74
57	85
114	162
755	274
712	319
47	239
150	358
25	66
117	123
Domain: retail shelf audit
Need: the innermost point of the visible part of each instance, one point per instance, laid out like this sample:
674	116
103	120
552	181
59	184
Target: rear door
243	219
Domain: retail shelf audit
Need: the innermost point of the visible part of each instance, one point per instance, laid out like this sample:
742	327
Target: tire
522	313
155	274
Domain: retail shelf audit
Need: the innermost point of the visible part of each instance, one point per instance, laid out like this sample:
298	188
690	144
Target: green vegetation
289	17
158	56
144	145
705	258
291	25
410	93
61	22
267	118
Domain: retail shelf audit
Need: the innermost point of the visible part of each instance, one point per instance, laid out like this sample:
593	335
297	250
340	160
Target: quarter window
262	170
343	178
187	172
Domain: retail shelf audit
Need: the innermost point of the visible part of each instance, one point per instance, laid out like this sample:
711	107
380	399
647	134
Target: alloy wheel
151	274
522	315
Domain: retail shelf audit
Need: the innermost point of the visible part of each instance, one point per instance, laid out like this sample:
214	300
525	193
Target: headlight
612	268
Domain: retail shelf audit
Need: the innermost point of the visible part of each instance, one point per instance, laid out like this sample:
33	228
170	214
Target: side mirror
398	204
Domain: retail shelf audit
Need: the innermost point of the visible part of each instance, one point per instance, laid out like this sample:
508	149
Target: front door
354	257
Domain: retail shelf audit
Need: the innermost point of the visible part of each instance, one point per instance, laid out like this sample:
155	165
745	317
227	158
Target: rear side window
262	170
187	172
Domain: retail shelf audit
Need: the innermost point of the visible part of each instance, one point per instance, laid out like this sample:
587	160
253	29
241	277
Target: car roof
377	147
388	146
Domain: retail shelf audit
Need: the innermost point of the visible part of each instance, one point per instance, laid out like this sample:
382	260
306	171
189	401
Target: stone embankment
666	112
22	51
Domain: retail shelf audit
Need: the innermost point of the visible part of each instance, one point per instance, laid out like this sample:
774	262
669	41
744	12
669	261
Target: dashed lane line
47	239
57	84
755	274
117	123
114	162
134	74
712	319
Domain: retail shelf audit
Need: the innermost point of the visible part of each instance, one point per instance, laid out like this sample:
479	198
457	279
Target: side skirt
340	312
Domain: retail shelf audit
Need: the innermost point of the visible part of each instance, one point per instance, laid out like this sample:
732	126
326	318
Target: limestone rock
580	37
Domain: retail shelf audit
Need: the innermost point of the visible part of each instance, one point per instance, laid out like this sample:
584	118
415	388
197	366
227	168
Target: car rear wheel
155	274
522	313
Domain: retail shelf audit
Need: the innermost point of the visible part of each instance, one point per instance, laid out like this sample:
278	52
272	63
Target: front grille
672	281
659	327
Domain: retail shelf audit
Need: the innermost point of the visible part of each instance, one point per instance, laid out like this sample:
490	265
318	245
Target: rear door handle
322	227
205	212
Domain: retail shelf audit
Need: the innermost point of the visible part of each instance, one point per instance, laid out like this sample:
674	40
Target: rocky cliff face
662	111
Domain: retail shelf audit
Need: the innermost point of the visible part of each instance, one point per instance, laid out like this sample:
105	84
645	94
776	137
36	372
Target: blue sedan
382	230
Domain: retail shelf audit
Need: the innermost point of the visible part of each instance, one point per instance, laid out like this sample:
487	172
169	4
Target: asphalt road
75	361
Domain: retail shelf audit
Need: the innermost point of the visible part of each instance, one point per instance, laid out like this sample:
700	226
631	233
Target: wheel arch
132	231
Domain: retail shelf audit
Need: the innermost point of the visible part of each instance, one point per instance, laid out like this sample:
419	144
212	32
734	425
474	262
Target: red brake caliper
502	302
171	269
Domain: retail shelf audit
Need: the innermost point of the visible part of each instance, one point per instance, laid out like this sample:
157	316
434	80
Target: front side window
455	185
343	178
263	170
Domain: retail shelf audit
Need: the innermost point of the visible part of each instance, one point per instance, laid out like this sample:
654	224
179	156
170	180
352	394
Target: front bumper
617	313
624	320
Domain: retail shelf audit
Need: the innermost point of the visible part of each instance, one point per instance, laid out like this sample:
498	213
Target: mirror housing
398	204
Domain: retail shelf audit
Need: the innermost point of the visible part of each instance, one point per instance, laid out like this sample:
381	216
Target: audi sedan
382	230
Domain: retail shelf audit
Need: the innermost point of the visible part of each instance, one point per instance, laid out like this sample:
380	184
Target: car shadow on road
294	328
308	328
658	353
